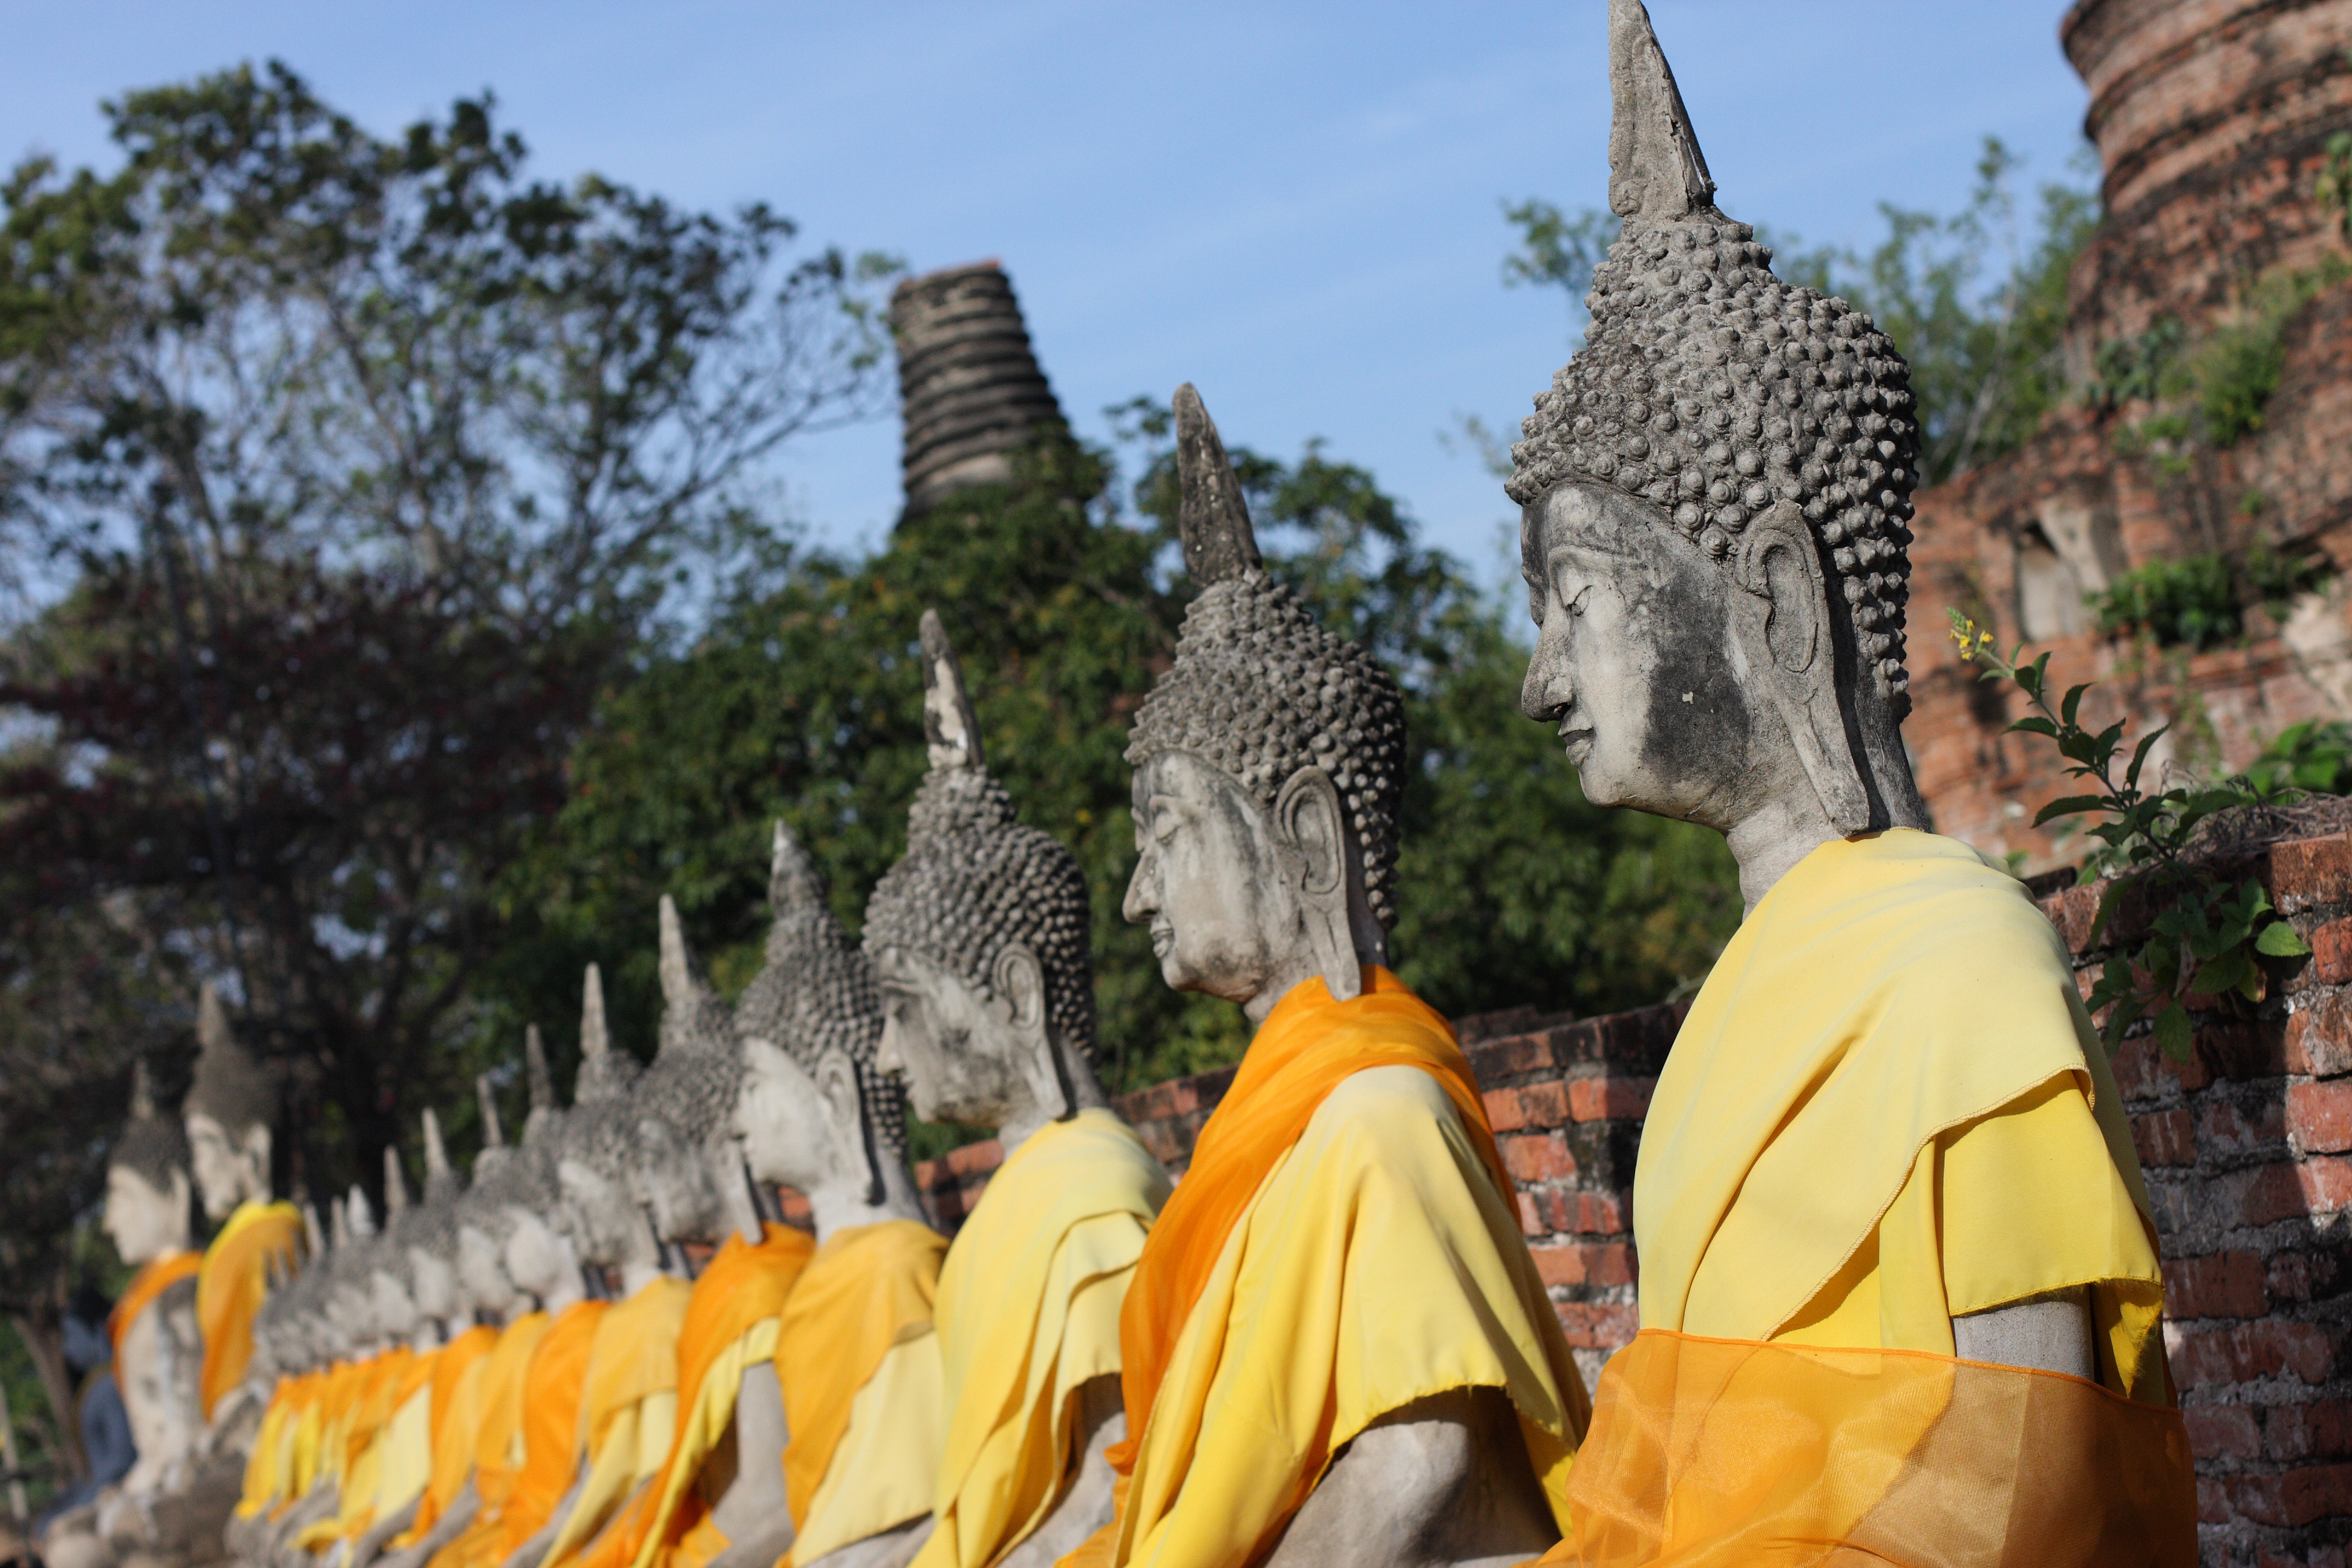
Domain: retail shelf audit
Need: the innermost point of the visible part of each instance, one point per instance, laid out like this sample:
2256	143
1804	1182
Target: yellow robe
1886	1109
488	1437
455	1414
859	1364
269	1469
1376	1263
1028	1312
628	1410
231	1285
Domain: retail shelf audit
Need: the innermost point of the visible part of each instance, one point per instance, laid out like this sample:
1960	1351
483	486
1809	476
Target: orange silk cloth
153	1280
493	1456
741	1286
866	1290
231	1285
451	1365
1305	1048
550	1424
1743	1454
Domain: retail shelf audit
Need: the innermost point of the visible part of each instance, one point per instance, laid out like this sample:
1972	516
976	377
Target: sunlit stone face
433	1282
790	1134
537	1255
600	1214
482	1272
143	1222
227	1172
951	1042
677	1183
1637	660
1213	881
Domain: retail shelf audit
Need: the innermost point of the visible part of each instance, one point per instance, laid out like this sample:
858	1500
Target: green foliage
1976	301
2200	601
2212	391
2207	938
804	700
2312	755
2332	189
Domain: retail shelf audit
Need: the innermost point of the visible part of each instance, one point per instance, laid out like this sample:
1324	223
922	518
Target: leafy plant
2307	756
2209	936
2200	601
2333	189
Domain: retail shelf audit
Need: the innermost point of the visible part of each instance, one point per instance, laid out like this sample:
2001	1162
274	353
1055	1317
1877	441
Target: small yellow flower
1969	640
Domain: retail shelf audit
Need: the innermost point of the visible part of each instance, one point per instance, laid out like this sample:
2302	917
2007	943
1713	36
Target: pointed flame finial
1656	171
534	1066
486	1100
395	1184
950	731
1215	519
594	1042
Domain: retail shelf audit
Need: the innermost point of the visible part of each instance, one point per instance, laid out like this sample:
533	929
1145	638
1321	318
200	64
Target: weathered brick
2314	1492
1512	1055
1585	1263
1531	1219
1609	1096
1598	1325
2165	1138
2243	1049
1592	1214
2213	1502
1503	1110
2319	1184
2227	1131
2311	871
2319	1430
976	1159
2307	1276
1536	1157
2218	1285
2319	1115
2331	952
2245	1351
2072	910
2143	1072
2223	1430
2319	1039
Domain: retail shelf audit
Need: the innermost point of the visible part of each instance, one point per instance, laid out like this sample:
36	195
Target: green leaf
2174	1033
2032	724
2278	939
2071	805
2073	700
2223	974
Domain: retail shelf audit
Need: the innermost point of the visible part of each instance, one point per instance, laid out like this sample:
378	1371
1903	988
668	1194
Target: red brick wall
2247	1150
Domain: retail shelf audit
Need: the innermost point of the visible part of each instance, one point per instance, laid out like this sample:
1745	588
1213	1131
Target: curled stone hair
604	1138
1259	690
154	1148
1715	392
974	878
230	1086
698	1073
815	991
525	1181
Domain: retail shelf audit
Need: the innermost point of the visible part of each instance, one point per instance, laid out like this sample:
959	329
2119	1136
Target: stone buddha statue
856	1354
1714	499
229	1114
157	1352
1268	771
979	939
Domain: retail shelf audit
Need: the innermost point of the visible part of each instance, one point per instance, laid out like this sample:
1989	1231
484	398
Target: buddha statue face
799	1129
538	1256
143	1221
392	1307
433	1284
677	1185
981	1056
482	1272
232	1167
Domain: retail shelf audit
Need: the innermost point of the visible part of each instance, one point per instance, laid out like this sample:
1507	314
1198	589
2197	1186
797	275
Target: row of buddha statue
1899	1292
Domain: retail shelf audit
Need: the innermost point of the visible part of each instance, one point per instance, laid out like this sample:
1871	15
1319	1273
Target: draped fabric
1751	1454
154	1277
1373	1258
231	1284
730	1324
551	1425
859	1365
269	1468
370	1400
1028	1313
489	1452
628	1409
454	1414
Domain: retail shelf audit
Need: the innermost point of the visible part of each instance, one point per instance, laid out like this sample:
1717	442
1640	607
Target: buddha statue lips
1715	508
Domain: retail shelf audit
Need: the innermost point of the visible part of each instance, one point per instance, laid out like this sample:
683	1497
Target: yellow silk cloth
730	1325
231	1284
271	1468
307	1455
553	1389
1028	1312
454	1416
355	1450
860	1369
1379	1261
155	1277
487	1439
1751	1454
1888	1108
628	1409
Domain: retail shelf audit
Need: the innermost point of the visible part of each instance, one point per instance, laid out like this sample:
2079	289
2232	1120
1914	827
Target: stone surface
970	389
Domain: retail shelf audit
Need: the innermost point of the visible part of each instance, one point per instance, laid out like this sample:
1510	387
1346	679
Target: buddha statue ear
1779	562
1018	980
1308	815
836	1081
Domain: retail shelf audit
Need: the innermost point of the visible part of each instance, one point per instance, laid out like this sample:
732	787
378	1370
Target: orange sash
493	1454
450	1365
867	1288
1303	1051
231	1285
1741	1454
551	1422
155	1277
740	1286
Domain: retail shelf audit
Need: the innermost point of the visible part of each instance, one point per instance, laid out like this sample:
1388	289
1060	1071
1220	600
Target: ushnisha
1889	1070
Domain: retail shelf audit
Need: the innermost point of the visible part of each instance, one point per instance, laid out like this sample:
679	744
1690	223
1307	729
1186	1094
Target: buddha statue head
1715	494
148	1183
229	1113
511	1251
817	1112
494	1152
1269	765
391	1282
689	1171
979	939
430	1237
348	1291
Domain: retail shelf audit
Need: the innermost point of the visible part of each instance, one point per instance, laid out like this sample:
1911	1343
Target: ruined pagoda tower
970	390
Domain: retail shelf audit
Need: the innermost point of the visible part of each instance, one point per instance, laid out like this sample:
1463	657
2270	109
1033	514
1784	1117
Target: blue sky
1297	206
